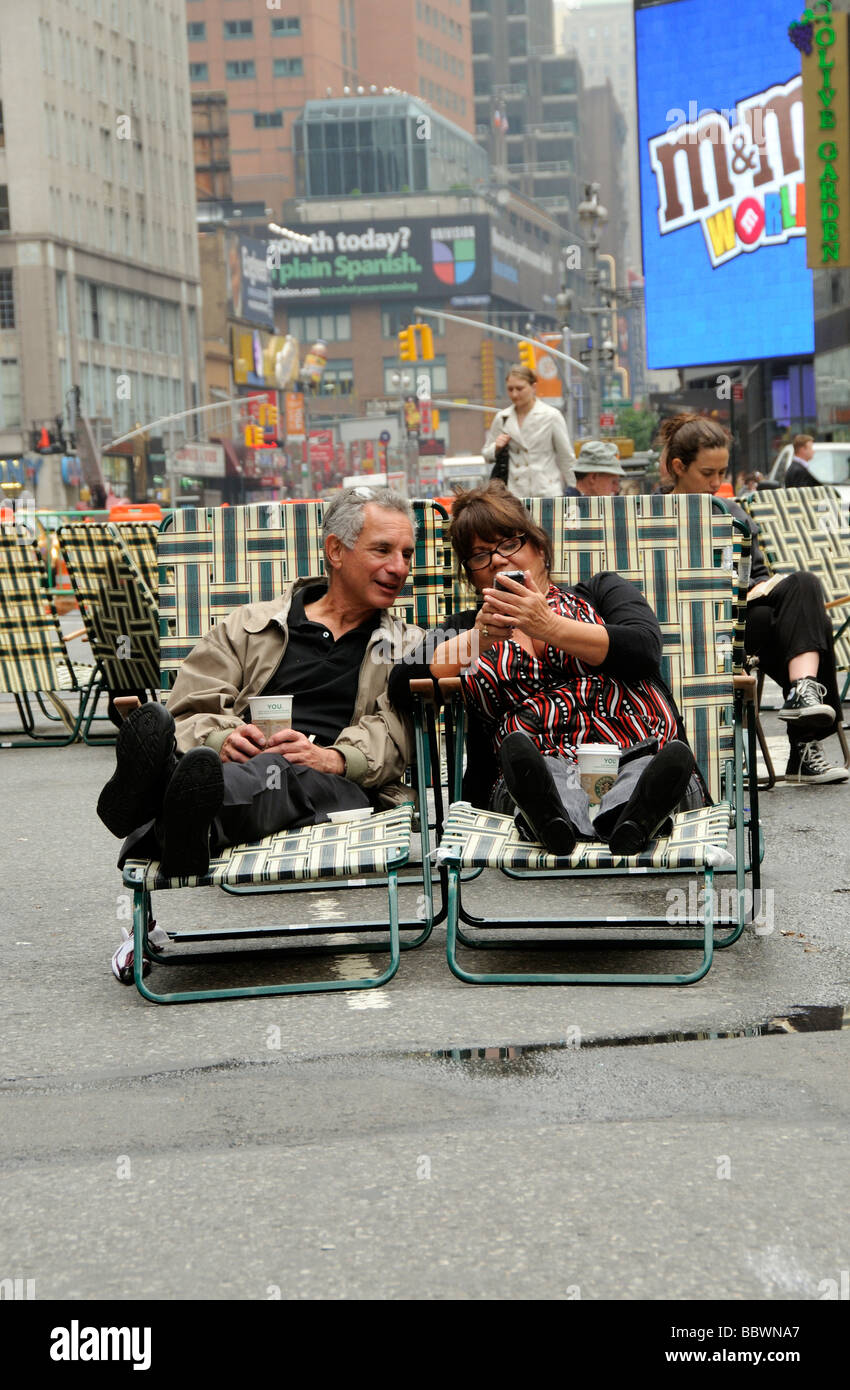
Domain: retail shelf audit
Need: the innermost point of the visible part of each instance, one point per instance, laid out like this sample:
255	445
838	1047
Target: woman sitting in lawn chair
545	670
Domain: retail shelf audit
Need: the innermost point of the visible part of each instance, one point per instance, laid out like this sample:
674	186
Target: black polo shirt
320	673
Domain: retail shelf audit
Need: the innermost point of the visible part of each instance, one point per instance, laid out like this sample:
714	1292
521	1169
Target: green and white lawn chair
684	554
212	560
110	568
34	661
806	528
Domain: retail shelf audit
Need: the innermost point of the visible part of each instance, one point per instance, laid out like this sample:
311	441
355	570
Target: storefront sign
201	460
826	105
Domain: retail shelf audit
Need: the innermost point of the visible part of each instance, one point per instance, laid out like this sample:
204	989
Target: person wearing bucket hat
598	470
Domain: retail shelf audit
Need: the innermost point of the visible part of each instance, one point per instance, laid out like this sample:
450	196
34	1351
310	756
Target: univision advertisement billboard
723	196
406	258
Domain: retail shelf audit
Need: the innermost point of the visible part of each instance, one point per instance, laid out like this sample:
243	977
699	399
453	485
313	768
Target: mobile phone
517	575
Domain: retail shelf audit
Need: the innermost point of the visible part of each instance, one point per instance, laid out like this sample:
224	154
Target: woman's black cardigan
634	654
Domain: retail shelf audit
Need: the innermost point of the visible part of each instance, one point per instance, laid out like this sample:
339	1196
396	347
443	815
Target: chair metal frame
112	567
34	660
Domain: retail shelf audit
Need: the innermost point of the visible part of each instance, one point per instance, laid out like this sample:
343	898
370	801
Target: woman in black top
788	627
545	670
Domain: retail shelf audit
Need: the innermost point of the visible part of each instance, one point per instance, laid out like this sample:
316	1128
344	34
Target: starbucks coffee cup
598	764
271	713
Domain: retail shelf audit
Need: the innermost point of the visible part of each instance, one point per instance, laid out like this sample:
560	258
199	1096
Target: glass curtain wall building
389	145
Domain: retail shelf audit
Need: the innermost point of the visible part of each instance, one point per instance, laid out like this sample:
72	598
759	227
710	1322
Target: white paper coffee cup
271	713
598	764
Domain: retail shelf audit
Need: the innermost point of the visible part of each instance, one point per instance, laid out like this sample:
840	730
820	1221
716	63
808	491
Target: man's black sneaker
659	790
807	764
532	787
805	704
146	757
193	799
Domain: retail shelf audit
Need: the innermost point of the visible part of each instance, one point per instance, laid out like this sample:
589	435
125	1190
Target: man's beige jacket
238	658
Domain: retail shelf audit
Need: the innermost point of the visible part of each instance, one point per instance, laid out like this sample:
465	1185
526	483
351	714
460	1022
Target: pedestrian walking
528	442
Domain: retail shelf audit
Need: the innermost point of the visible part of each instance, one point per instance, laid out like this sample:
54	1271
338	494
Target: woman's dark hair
492	514
684	436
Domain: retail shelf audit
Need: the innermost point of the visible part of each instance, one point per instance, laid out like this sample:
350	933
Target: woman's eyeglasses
482	558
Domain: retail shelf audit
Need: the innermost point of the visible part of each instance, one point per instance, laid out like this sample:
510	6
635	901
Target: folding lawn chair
683	552
806	528
113	572
34	660
211	560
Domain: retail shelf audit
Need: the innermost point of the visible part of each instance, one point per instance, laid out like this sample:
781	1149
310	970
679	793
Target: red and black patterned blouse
560	702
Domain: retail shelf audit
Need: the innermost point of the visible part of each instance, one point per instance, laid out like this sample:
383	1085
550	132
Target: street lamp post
403	382
592	215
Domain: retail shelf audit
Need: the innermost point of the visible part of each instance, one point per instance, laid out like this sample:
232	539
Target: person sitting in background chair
788	627
598	470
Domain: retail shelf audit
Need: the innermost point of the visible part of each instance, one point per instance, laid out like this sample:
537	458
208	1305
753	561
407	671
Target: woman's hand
491	626
502	439
522	606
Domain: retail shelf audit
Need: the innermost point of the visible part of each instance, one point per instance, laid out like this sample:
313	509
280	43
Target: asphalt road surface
325	1146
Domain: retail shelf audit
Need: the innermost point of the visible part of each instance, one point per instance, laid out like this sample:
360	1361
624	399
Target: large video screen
720	122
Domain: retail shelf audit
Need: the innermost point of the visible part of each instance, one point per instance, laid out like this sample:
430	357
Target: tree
639	425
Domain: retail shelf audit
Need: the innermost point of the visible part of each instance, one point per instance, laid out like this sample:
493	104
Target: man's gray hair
345	515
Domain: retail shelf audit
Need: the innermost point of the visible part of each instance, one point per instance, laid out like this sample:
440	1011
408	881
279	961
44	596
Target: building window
243	68
94	304
331	328
4	208
265	119
199	72
288	67
435	371
394	317
239	28
287	24
7	300
196	32
337	380
10	392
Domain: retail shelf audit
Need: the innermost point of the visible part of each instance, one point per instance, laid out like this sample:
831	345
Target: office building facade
98	255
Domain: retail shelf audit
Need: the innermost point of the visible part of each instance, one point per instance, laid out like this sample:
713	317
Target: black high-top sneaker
808	764
806	706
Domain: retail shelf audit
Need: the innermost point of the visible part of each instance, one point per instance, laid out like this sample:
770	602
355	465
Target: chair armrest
76	635
125	704
449	686
747	686
425	689
837	602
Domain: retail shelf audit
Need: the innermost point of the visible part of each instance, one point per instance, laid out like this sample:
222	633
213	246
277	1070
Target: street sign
385	436
607	420
615	402
737	392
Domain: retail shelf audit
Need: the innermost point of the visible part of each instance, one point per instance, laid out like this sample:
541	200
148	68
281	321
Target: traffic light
527	355
253	437
416	343
426	341
407	344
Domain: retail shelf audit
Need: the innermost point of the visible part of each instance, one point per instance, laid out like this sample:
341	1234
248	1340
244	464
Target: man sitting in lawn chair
198	775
